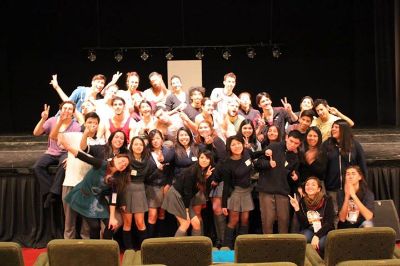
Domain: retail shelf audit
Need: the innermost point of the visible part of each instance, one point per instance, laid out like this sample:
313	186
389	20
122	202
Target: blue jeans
309	233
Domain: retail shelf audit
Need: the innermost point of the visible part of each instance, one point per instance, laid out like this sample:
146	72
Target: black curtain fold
22	217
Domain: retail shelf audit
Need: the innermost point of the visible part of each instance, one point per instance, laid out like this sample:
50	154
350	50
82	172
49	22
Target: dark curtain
385	62
22	217
385	183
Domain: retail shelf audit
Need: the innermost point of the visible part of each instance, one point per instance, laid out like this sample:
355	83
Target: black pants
94	225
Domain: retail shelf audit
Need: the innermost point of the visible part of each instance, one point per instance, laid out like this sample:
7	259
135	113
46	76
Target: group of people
124	155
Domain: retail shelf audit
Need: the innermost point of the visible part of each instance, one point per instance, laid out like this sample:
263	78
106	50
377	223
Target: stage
23	219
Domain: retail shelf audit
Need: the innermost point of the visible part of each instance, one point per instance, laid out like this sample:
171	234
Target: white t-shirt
76	169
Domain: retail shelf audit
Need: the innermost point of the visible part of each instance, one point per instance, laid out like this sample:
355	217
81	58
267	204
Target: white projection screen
190	72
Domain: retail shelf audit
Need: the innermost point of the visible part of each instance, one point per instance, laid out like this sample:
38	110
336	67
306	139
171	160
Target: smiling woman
315	213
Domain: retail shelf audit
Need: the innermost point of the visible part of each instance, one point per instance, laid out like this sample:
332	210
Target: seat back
390	262
88	252
385	214
11	254
176	251
271	248
372	243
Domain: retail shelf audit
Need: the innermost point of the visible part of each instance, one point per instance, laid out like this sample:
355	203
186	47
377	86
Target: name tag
352	216
194	159
134	172
248	162
114	198
316	225
286	163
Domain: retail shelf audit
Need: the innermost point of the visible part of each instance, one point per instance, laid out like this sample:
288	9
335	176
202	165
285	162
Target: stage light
226	54
91	56
169	55
276	51
251	52
118	55
144	55
199	54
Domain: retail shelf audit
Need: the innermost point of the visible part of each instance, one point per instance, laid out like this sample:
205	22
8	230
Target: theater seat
374	243
252	248
390	262
175	251
88	252
11	254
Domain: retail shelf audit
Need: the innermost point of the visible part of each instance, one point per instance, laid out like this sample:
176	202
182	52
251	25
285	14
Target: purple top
52	147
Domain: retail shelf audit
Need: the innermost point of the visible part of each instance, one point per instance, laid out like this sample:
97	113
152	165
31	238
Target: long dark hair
363	185
120	179
145	152
151	136
315	203
345	141
306	146
200	173
229	141
179	149
108	150
253	137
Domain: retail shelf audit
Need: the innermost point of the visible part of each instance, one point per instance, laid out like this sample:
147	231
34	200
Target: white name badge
194	159
114	198
317	226
248	162
134	172
352	216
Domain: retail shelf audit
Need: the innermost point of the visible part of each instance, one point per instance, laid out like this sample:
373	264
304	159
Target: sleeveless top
124	129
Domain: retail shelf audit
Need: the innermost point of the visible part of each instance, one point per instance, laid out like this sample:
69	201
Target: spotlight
226	54
169	55
118	55
91	56
251	52
276	52
199	54
144	55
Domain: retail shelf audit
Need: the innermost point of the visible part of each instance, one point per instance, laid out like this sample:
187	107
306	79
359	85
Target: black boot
150	230
127	239
220	224
243	230
229	237
142	236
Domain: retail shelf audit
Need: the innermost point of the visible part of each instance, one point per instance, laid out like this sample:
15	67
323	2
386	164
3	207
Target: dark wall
328	49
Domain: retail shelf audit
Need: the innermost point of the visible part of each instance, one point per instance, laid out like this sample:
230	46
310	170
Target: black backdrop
341	50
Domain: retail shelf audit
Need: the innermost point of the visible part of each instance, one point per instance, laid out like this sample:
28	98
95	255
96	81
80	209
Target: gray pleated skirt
199	199
173	204
217	191
241	200
155	196
135	198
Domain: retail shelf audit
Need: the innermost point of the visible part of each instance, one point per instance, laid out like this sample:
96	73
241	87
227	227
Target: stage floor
381	145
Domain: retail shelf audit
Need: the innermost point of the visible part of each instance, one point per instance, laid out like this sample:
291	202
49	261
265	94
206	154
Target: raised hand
54	81
286	105
295	177
209	172
333	110
294	202
115	77
45	113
